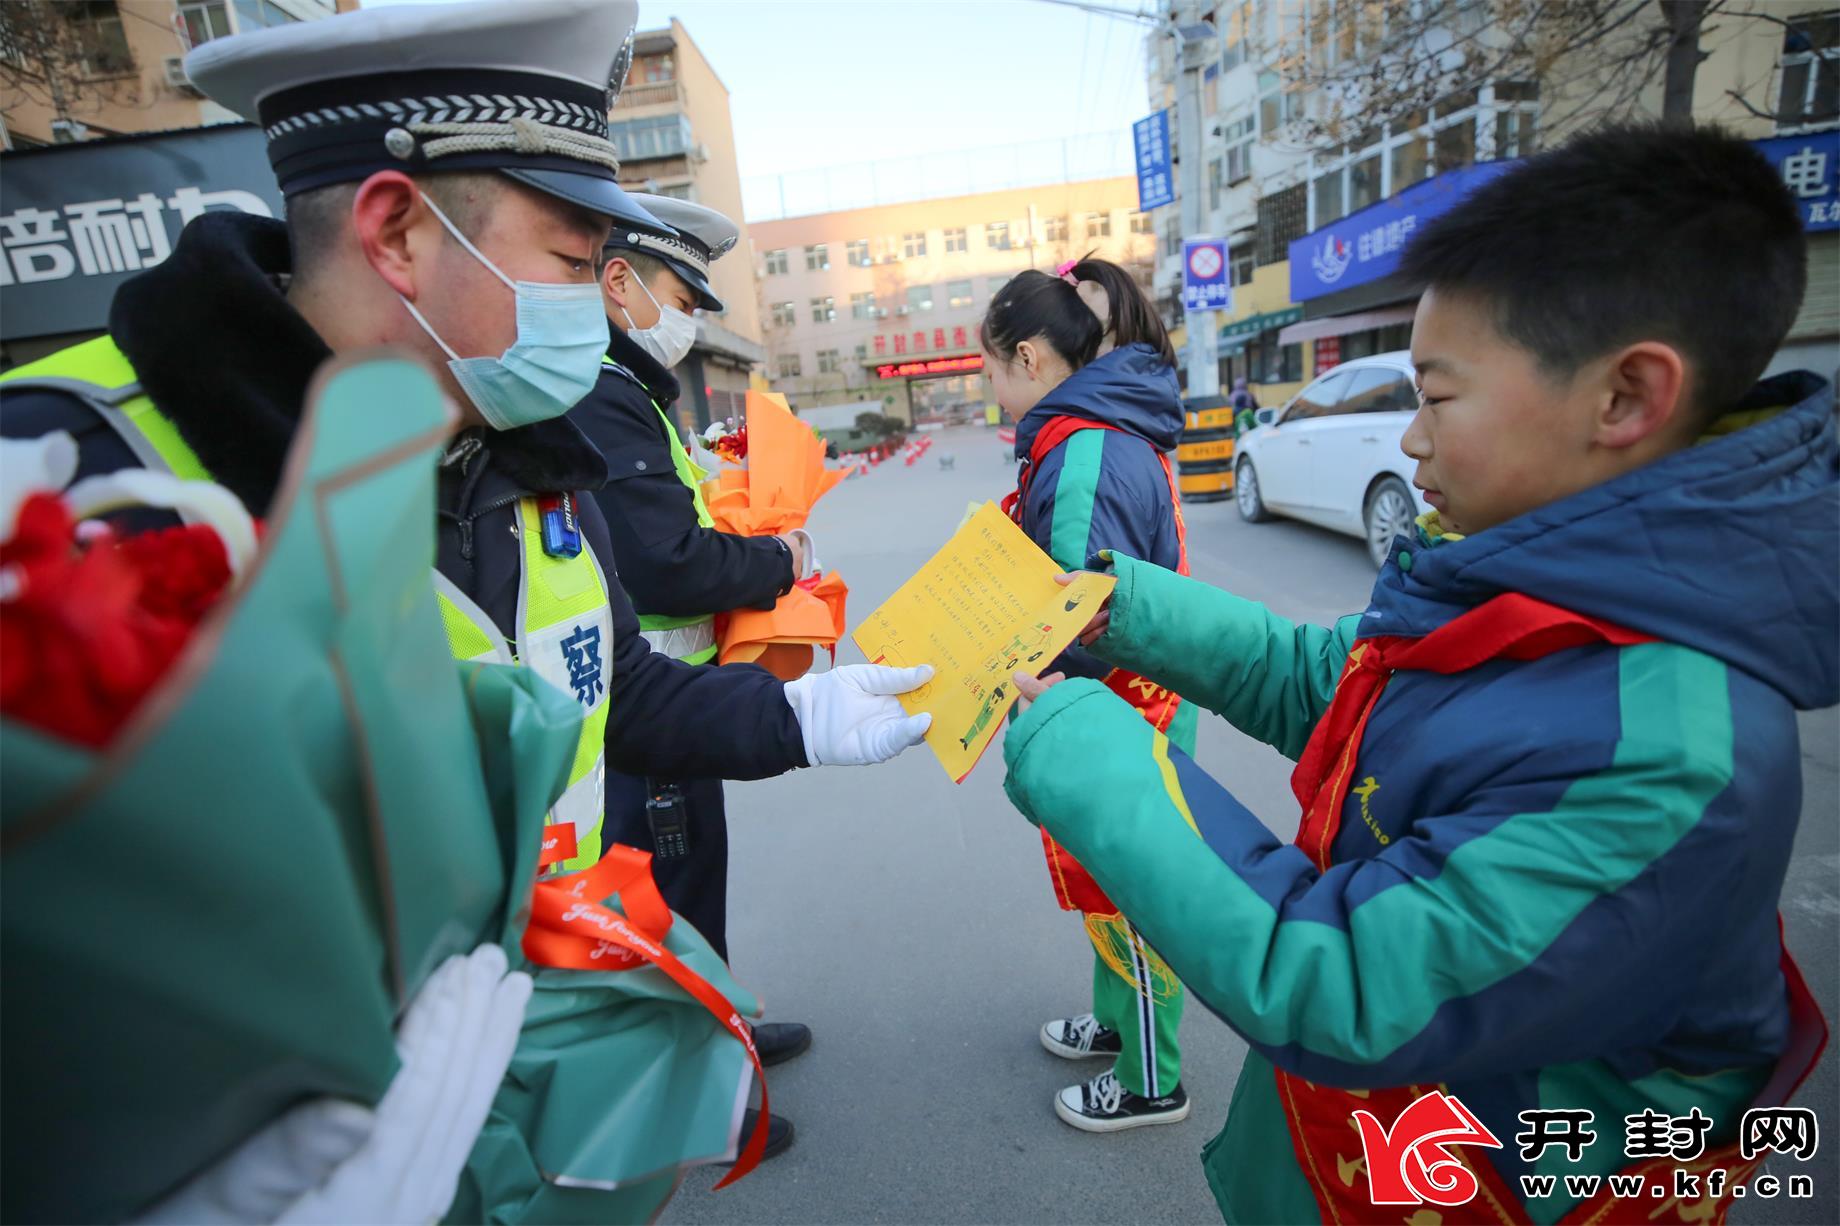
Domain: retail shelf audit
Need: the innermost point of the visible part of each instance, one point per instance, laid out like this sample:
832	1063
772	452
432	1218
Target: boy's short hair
1632	232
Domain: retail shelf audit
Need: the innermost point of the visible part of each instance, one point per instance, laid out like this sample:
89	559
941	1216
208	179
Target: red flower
88	628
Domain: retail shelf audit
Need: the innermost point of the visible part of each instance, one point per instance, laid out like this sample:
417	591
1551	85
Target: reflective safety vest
564	618
690	639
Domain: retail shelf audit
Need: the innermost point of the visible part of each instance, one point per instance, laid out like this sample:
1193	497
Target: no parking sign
1205	285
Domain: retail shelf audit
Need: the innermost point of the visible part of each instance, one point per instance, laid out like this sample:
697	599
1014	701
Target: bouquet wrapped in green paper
223	910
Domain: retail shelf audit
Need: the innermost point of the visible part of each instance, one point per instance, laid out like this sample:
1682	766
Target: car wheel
1389	513
1246	494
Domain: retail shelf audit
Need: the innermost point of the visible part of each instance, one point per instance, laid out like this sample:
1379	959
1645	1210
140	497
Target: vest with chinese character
564	621
691	639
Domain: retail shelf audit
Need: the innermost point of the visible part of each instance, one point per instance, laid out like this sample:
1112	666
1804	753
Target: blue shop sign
1810	168
1366	246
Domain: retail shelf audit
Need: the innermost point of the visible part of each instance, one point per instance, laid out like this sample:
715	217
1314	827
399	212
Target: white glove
329	1160
810	555
850	717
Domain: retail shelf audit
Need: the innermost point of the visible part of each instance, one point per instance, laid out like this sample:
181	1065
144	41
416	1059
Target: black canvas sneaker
1079	1038
1102	1105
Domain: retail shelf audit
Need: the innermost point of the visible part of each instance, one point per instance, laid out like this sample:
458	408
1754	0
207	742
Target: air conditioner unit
699	153
175	72
900	310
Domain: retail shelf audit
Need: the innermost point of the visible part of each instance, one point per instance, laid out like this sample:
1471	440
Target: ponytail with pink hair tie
1065	273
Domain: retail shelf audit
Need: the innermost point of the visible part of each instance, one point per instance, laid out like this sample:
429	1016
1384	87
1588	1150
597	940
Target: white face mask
668	340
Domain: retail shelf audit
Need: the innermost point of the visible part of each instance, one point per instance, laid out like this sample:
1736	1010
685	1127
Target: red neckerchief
1321	1118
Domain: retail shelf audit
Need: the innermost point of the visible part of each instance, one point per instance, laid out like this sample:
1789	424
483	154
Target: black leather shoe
778	1042
779	1134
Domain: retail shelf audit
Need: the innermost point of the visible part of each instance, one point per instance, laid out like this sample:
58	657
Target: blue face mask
555	361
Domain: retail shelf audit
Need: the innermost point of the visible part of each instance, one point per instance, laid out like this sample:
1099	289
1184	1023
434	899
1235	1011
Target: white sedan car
1331	456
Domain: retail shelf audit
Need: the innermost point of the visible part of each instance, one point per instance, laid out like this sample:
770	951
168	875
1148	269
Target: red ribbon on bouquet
570	927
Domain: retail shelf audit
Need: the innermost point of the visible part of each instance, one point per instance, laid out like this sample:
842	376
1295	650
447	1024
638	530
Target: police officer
677	567
450	183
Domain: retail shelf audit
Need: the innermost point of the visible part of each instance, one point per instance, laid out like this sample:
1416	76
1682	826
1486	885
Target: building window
823	310
1411	161
776	262
1216	182
913	245
1140	223
919	297
784	315
1054	230
994	284
862	352
98	32
1810	93
958	337
1240	136
955	240
1454	147
900	342
828	362
1098	225
919	342
958	294
939	338
1283	217
1328	197
862	306
818	259
204	20
1241	265
856	253
1516	136
996	236
788	365
255	14
1364	182
658	136
881	346
1276	106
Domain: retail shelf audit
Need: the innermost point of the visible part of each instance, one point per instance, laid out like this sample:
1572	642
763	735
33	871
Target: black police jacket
221	353
669	563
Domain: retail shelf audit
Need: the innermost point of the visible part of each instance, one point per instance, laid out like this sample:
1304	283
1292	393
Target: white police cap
522	88
691	236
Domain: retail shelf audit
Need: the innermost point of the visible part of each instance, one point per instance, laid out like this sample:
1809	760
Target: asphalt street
910	923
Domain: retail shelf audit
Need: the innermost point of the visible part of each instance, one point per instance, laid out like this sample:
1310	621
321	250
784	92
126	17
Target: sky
820	83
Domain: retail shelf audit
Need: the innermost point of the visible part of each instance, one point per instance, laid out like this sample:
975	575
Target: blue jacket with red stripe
1555	881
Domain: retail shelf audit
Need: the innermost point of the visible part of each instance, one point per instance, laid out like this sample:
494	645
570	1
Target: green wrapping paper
225	912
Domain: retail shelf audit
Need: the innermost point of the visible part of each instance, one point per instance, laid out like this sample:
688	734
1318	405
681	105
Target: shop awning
1252	325
1343	325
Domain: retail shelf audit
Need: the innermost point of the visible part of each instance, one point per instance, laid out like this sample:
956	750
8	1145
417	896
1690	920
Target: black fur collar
217	347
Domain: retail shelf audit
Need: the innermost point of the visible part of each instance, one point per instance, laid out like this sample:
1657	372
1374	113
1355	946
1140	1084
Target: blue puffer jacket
1555	882
1106	489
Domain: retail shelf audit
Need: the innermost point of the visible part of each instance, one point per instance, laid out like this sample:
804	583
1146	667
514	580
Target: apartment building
676	137
1282	192
82	69
882	304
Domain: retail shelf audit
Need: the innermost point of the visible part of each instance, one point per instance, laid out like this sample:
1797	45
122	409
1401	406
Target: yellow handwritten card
985	607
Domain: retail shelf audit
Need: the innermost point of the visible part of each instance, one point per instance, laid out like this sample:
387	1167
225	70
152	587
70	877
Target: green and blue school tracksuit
1557	884
1107	489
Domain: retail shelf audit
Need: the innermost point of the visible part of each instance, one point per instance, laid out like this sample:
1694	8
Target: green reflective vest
691	639
564	619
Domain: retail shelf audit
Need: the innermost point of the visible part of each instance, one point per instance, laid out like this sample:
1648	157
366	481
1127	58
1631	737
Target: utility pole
1195	50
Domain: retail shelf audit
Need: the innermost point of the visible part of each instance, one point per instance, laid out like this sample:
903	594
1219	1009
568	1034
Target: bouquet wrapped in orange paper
783	478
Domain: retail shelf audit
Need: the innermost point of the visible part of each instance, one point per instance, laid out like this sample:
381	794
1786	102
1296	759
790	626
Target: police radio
669	817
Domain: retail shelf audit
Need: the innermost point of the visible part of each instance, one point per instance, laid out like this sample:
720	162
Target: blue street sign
1156	184
1205	283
